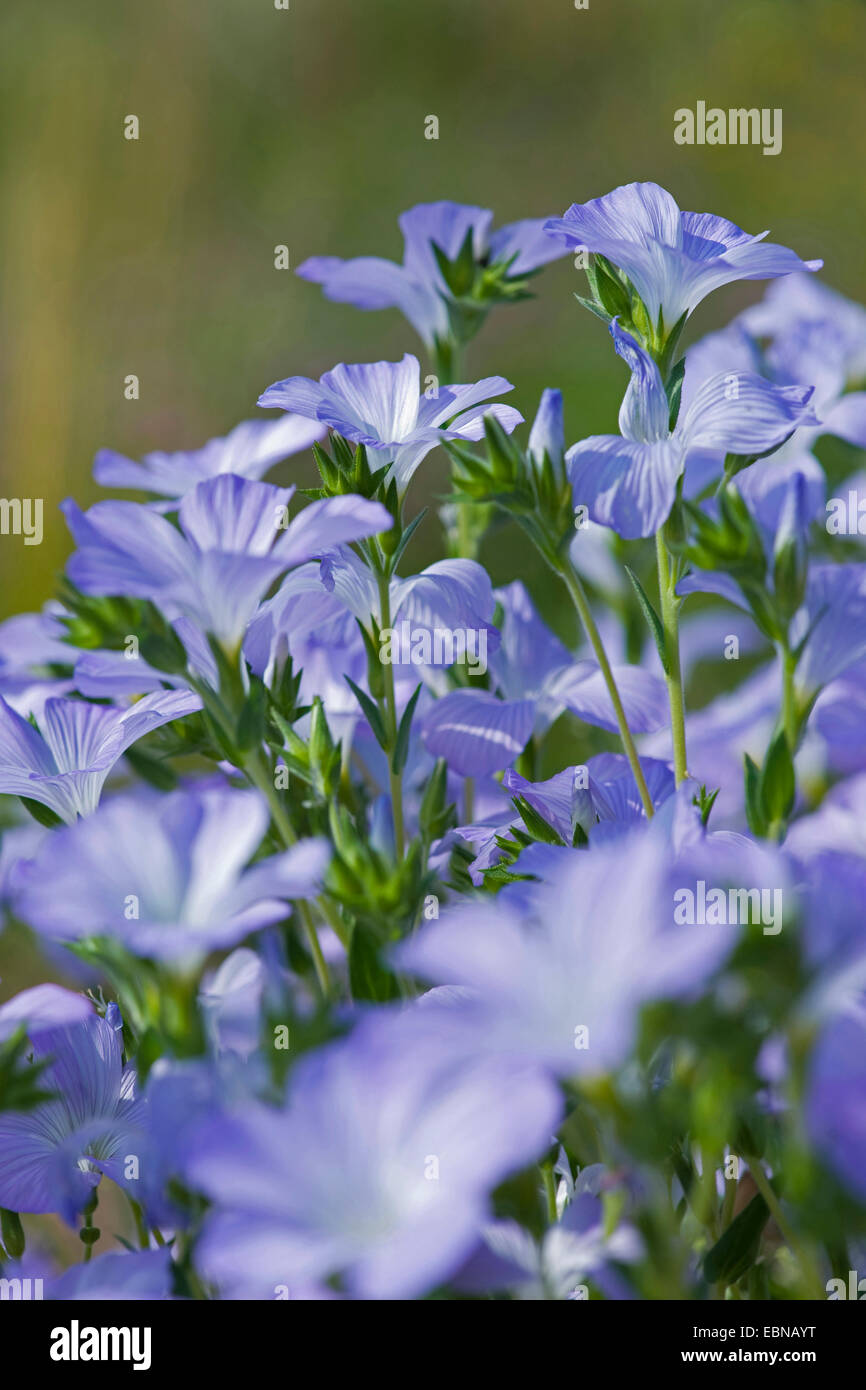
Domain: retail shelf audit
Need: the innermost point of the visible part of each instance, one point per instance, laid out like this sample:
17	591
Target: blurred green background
306	127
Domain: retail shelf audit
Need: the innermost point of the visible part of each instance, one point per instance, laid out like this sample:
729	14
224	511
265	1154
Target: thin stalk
789	699
550	1192
674	674
581	603
762	1183
390	713
468	800
259	777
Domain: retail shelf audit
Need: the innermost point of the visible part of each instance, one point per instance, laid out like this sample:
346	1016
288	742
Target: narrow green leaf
735	1251
371	713
754	806
401	747
653	620
535	823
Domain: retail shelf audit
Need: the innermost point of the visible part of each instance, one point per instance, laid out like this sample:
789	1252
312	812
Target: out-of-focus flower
42	1008
139	1275
377	1168
836	1099
249	451
560	971
234	541
417	287
166	875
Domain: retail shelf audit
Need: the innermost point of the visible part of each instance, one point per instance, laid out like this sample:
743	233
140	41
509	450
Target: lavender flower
425	1133
836	1101
139	1276
249	451
548	985
674	259
629	481
52	1157
234	541
41	1009
417	287
166	876
65	763
380	405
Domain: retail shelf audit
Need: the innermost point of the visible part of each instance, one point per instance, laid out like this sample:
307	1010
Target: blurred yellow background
305	126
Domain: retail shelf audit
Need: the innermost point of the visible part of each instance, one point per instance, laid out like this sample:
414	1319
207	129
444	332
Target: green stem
762	1183
390	714
789	699
728	1202
88	1234
260	778
468	800
581	603
259	775
140	1225
550	1192
674	674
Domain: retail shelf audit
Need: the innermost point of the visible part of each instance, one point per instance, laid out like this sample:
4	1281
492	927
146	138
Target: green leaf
735	1251
459	274
43	814
609	289
155	771
251	723
406	537
593	308
754	803
778	780
164	651
12	1233
401	747
535	823
371	713
674	391
653	620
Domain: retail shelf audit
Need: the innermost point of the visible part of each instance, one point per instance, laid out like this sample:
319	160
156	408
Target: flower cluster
408	947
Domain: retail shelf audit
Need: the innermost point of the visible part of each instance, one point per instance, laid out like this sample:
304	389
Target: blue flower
629	481
380	405
547	435
31	644
139	1275
377	1167
674	259
836	1098
52	1157
417	287
42	1008
807	333
557	971
232	544
64	763
166	876
249	451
